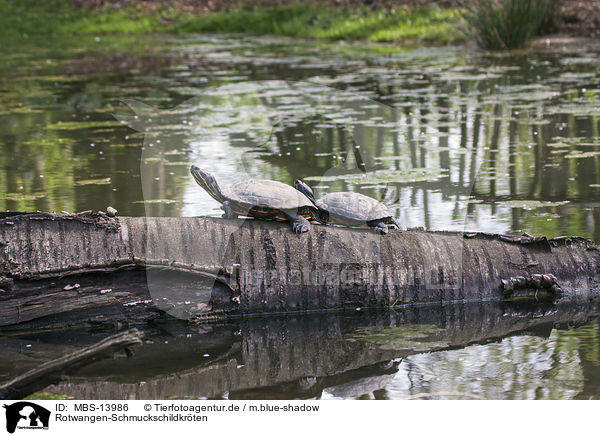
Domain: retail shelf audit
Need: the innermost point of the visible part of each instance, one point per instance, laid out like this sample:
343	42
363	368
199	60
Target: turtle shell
265	196
352	208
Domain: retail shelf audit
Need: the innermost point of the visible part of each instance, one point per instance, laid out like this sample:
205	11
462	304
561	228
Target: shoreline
430	24
408	22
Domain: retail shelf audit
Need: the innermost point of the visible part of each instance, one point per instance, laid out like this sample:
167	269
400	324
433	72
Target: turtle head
208	182
306	190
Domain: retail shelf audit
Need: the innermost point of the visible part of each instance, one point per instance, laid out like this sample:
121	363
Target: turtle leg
393	224
299	223
379	226
229	213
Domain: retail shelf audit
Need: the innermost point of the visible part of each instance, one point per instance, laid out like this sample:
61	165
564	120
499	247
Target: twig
50	372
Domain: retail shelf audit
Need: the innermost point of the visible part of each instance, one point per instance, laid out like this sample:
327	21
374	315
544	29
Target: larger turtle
264	199
350	209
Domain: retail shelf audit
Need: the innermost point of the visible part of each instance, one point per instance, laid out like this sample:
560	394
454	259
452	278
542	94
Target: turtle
350	209
263	199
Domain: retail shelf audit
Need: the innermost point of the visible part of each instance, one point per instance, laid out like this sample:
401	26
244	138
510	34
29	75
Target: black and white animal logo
26	415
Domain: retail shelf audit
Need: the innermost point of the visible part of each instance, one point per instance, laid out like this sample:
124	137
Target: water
473	351
493	142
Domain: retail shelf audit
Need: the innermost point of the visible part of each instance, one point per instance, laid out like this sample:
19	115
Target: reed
506	24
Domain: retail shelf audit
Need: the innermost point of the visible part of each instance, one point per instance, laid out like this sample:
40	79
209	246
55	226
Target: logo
26	415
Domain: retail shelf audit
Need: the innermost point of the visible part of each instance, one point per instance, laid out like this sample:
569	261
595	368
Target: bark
202	266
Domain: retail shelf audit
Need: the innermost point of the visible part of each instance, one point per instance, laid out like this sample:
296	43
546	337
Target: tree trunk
203	266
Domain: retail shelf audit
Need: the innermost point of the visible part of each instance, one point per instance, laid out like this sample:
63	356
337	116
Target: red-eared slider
350	209
265	199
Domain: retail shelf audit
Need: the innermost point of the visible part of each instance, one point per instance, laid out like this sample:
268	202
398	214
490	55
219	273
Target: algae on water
415	337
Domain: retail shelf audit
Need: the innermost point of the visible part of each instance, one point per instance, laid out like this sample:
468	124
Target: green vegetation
305	20
47	396
507	24
493	24
417	337
312	21
58	17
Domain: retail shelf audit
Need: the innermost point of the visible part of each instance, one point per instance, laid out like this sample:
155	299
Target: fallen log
54	370
202	266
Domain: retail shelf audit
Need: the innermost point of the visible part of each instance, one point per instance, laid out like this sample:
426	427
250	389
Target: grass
507	24
304	20
57	17
430	24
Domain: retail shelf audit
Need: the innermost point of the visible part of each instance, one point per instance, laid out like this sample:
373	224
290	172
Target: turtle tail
208	182
321	214
306	190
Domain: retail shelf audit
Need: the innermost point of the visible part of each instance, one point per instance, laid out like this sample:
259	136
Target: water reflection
491	142
485	350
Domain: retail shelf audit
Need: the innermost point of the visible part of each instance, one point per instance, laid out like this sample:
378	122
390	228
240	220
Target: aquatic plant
506	24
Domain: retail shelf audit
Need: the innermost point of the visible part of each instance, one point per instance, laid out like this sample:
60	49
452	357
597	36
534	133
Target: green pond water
447	138
495	142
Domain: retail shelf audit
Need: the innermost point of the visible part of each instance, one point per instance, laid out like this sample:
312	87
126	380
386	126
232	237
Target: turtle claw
299	223
380	229
300	227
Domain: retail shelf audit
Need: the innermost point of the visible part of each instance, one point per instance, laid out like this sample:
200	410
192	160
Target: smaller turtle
264	199
350	209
